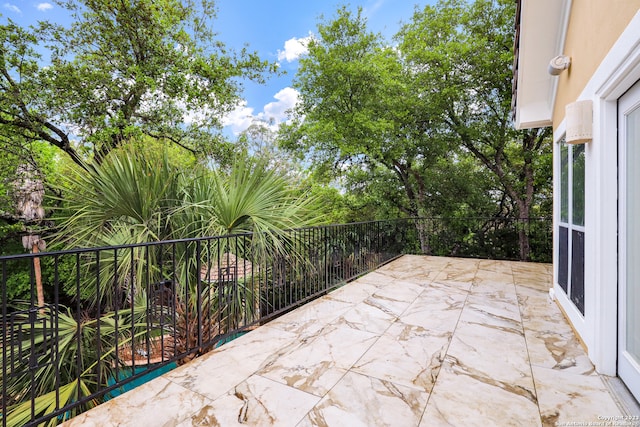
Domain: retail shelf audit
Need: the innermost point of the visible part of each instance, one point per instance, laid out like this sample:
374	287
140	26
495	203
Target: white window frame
569	223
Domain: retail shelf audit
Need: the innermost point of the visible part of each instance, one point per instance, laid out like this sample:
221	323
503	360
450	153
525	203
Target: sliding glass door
629	239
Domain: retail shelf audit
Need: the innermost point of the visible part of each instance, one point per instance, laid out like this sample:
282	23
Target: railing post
198	293
377	237
5	346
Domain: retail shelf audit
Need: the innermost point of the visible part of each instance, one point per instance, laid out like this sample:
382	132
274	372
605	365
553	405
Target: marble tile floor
422	341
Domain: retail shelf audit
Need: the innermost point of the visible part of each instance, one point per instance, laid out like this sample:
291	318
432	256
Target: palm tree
127	200
256	205
85	356
138	196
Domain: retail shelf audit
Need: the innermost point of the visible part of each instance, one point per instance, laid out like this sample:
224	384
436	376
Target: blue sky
273	28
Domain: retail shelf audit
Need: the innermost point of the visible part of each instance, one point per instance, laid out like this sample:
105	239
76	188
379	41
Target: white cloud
294	48
12	8
239	119
43	7
286	99
273	113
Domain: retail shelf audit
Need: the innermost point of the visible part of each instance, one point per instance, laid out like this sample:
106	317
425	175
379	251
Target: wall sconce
558	64
579	122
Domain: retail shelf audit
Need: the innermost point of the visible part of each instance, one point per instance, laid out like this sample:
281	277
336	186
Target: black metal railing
116	316
491	238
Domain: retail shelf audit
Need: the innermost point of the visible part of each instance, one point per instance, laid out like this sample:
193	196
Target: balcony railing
116	316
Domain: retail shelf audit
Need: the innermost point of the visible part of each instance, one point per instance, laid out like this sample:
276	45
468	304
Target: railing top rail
177	241
127	246
81	250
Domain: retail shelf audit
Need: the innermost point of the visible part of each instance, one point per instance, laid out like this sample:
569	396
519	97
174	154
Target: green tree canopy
121	69
461	54
399	120
357	111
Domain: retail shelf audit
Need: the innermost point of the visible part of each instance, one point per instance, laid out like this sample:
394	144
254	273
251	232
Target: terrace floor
422	341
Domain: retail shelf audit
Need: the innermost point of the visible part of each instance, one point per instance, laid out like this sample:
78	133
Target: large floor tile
495	290
491	314
496	354
378	278
437	308
465	397
418	269
551	341
312	316
495	266
489	276
362	401
456	276
232	363
556	350
394	301
355	292
539	312
367	316
256	402
407	354
157	403
566	397
531	275
316	366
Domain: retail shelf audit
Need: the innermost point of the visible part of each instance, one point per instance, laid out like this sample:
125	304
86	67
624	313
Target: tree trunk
423	236
38	274
523	227
523	240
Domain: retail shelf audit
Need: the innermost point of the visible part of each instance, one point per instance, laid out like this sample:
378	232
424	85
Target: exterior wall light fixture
558	64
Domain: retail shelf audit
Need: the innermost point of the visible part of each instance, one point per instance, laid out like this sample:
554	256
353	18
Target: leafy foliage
357	114
423	128
119	71
134	197
85	358
462	56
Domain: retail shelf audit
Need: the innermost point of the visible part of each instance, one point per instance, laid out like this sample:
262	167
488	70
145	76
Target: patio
422	341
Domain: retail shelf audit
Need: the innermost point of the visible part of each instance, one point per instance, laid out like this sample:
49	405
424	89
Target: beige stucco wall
594	26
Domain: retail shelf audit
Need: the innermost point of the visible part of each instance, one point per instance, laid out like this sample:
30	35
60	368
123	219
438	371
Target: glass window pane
563	258
577	270
564	182
578	185
633	234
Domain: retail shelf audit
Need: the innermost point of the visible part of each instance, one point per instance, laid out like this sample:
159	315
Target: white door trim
628	367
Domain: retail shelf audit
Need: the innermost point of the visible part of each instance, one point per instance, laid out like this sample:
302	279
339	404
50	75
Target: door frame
627	366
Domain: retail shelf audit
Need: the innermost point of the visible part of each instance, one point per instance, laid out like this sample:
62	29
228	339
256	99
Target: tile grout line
446	352
346	371
350	371
526	344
